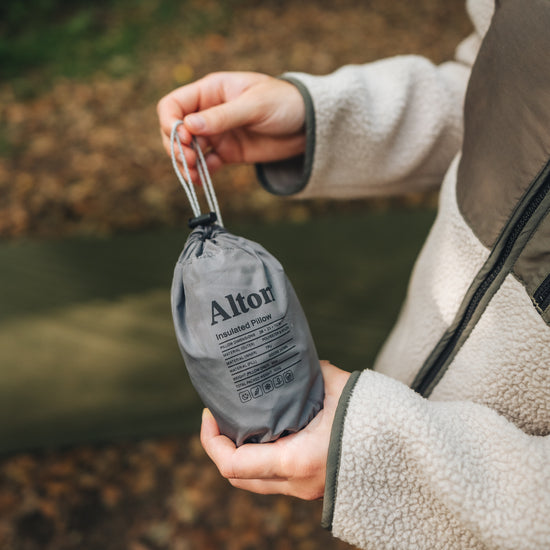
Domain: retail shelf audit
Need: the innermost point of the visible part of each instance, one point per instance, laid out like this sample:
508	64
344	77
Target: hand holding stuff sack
240	327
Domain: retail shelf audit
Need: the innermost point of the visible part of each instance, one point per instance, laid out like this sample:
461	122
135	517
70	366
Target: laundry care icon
256	392
245	396
288	376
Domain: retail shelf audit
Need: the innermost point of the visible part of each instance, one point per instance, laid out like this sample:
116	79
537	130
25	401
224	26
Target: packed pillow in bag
241	329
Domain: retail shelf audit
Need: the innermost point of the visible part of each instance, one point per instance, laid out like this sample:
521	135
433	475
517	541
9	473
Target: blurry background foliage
79	146
73	39
92	217
81	165
92	220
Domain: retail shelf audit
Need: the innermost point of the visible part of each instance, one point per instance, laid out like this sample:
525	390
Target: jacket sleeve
391	126
406	472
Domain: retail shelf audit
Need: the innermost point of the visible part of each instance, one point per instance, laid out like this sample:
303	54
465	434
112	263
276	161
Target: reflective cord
187	182
206	180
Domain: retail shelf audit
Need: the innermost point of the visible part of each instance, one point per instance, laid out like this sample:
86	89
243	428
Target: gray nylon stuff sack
241	330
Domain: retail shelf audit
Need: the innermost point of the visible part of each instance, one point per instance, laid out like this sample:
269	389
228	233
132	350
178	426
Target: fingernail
195	122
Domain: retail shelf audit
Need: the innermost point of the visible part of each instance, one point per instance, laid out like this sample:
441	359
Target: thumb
221	118
335	379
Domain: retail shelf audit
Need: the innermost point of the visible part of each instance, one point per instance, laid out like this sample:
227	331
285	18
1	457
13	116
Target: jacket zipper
541	296
437	362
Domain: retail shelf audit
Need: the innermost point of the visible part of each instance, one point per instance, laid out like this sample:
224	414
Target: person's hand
293	465
239	116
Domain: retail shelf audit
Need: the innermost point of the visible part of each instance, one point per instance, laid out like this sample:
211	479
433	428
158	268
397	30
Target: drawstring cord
187	182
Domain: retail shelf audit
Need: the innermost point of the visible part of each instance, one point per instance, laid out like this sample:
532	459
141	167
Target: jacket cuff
334	451
291	176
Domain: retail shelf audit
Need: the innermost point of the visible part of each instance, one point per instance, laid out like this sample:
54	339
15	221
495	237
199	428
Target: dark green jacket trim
334	451
533	208
291	176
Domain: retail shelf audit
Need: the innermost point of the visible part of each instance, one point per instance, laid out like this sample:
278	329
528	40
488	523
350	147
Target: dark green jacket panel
506	147
507	117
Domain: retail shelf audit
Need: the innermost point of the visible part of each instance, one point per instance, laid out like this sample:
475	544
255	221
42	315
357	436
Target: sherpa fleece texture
386	127
423	474
470	466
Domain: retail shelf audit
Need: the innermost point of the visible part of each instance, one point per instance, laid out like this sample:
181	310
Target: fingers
293	465
246	117
190	155
209	427
335	379
175	106
215	114
256	467
218	447
221	118
262	486
213	161
279	487
249	461
212	90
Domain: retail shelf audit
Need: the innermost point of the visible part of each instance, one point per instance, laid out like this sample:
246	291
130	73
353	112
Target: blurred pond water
87	349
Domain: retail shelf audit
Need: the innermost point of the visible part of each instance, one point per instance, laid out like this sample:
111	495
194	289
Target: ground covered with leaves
152	495
83	156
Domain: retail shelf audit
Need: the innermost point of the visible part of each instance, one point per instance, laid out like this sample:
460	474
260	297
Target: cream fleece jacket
468	464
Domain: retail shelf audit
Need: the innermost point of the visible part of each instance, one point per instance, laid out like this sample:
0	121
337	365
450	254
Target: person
445	442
